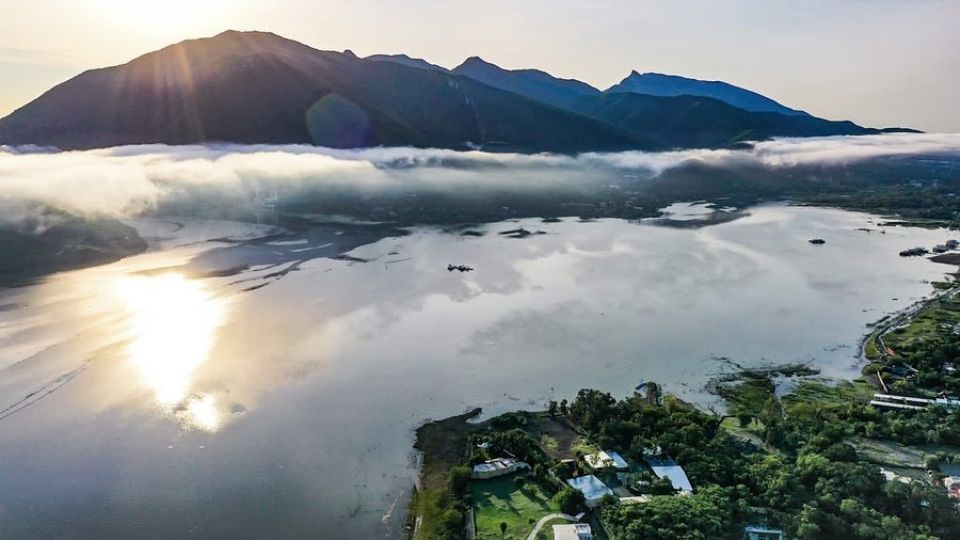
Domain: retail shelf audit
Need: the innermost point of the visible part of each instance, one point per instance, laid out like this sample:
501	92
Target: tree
459	479
592	408
450	524
662	486
563	407
552	408
708	514
568	500
519	482
503	528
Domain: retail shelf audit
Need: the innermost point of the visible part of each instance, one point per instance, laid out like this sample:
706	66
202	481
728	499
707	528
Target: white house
497	467
606	459
578	531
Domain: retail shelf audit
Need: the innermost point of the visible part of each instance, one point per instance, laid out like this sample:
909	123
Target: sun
164	14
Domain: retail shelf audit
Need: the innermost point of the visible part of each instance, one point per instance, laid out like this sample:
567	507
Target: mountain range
257	87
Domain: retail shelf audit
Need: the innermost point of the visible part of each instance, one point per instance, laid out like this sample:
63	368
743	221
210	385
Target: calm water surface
144	399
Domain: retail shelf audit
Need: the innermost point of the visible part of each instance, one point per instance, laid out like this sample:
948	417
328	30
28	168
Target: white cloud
129	180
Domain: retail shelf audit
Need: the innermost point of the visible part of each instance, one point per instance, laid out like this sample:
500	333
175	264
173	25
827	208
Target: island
43	240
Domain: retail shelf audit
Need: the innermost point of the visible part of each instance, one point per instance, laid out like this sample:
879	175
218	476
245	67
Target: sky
877	62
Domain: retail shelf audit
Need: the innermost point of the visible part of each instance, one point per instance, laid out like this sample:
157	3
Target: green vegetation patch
942	315
500	500
546	532
443	444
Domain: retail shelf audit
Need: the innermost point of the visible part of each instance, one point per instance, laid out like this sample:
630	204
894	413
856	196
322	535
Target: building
577	531
635	499
891	476
605	460
497	467
952	483
592	488
666	468
761	532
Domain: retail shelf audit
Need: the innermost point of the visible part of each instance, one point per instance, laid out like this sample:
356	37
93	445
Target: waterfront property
497	467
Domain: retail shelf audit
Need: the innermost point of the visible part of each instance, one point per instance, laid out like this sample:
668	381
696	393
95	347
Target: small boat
817	241
914	252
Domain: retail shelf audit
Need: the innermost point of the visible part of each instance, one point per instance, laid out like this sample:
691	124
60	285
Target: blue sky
877	62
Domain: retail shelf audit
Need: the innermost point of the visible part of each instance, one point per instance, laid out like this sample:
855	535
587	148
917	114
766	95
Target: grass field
546	532
926	325
840	393
498	501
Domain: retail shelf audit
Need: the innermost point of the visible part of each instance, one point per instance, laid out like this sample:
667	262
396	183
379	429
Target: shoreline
882	327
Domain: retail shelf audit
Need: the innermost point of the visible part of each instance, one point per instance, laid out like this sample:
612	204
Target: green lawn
926	325
546	532
498	501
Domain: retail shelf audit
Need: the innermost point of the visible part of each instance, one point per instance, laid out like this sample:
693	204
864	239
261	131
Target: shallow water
139	399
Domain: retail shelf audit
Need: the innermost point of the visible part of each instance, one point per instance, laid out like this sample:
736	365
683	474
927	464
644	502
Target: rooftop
578	531
604	459
591	487
668	469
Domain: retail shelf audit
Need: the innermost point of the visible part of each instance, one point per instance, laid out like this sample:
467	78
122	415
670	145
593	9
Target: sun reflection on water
173	325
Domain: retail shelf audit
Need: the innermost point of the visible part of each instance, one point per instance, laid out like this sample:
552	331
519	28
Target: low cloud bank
133	180
830	151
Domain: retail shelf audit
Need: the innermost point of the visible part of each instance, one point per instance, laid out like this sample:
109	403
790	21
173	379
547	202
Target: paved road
545	519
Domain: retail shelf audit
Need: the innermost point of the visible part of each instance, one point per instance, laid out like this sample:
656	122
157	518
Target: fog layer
133	180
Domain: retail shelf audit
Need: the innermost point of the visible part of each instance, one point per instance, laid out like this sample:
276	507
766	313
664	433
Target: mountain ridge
533	83
664	85
256	87
259	87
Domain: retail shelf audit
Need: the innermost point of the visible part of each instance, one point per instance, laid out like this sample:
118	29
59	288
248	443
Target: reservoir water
215	387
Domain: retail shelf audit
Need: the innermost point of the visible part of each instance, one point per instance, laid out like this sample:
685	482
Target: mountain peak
475	61
664	85
530	83
260	88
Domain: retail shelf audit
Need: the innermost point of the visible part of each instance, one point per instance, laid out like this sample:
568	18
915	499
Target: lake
220	386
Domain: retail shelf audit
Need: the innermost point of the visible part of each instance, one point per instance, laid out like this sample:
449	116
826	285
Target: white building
952	483
760	532
578	531
606	459
891	476
497	467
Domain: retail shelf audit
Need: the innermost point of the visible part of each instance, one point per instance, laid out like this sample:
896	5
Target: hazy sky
877	62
